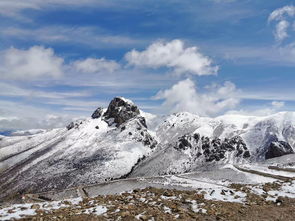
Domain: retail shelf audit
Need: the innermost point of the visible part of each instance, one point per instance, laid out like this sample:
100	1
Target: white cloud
184	96
277	104
281	30
30	64
174	55
94	65
280	13
281	16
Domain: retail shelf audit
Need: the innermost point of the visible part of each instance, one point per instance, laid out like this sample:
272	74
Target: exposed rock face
213	149
277	149
121	110
97	113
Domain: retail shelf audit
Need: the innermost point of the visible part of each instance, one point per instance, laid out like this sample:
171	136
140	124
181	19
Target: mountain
122	141
188	142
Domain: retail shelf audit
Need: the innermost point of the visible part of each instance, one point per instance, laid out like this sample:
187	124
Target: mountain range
122	141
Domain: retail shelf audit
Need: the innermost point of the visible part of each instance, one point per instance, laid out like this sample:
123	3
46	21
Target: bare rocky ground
254	202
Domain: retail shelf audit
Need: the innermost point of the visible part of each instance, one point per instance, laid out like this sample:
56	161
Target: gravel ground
237	202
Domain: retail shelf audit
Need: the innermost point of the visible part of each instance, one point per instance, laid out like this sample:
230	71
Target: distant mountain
122	141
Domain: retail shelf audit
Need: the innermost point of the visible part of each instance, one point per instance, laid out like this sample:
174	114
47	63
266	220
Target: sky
61	59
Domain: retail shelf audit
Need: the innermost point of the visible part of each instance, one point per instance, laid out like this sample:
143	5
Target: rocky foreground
269	201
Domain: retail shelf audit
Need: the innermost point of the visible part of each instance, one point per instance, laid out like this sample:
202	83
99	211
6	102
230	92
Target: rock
71	126
125	213
246	154
121	110
184	143
277	149
97	113
35	206
143	217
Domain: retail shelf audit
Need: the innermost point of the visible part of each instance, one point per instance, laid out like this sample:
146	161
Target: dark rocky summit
120	110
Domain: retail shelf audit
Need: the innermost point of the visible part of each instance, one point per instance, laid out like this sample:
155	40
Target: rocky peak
121	110
97	113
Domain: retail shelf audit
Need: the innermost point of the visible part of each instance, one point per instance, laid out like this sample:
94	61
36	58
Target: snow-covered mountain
122	141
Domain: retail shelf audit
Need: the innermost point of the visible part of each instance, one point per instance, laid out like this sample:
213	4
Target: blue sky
62	59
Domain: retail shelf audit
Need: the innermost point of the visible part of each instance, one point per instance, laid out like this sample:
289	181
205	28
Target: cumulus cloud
173	55
281	16
184	96
29	64
93	65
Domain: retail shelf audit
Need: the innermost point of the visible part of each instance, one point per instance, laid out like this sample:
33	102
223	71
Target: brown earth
163	204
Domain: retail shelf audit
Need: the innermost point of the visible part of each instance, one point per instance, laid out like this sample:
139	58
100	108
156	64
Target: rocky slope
122	141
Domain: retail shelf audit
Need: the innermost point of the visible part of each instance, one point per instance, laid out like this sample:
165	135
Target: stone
97	113
35	206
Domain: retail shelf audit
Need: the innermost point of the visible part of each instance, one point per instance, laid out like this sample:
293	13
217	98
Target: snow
126	100
15	213
18	211
212	191
97	210
27	132
101	153
87	155
197	208
168	197
139	216
167	210
226	195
